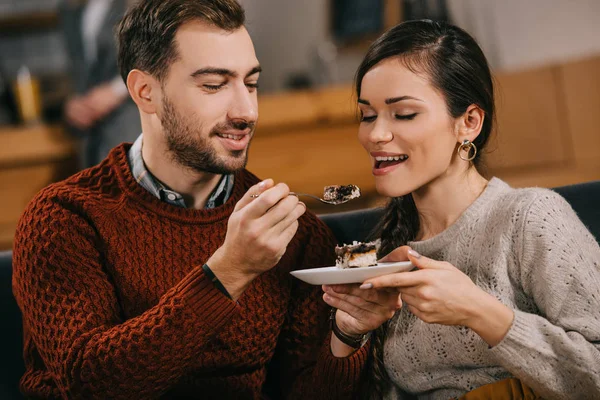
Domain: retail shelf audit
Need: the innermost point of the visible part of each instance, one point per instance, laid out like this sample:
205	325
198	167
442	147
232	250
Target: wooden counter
30	159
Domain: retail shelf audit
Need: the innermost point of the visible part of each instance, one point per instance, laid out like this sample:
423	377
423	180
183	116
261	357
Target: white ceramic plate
334	275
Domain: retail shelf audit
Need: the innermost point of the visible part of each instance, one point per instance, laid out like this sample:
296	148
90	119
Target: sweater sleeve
556	353
308	368
71	312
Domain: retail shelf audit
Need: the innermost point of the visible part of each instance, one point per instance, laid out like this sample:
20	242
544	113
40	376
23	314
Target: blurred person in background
503	303
157	273
100	112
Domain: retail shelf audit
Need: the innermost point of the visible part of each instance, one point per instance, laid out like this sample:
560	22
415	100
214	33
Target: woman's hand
438	292
359	310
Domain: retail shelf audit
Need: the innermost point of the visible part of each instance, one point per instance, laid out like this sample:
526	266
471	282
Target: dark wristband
213	278
354	341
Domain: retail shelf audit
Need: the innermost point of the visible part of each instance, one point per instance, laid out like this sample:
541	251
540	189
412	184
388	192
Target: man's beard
188	148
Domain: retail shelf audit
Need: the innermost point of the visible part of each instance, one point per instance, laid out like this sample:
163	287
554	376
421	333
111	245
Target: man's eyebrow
223	72
214	71
361	101
254	70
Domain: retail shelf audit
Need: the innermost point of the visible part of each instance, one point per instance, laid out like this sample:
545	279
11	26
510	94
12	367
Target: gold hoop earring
467	145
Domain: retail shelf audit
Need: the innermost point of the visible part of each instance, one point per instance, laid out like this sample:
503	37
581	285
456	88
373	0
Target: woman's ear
470	123
143	89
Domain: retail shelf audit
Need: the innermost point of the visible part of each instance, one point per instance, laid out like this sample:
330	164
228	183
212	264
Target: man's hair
146	34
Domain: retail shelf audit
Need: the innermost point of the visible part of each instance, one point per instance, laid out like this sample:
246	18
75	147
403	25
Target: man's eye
252	87
368	119
213	88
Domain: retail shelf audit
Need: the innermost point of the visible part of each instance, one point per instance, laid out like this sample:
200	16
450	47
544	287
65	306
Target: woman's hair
454	65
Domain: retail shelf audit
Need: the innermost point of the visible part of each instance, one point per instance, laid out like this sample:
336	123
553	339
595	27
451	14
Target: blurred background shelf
548	134
27	21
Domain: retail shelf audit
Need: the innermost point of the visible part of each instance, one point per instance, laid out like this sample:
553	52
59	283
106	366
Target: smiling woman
484	314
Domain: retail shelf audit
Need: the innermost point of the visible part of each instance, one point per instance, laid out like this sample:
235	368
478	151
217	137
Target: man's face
209	104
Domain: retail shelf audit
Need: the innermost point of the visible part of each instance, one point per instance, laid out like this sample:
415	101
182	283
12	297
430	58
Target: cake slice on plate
357	254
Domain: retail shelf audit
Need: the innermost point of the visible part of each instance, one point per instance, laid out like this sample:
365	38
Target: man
101	111
164	270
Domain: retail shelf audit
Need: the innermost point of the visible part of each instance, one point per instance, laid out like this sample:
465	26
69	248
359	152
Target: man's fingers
293	215
79	115
267	199
255	190
287	235
280	211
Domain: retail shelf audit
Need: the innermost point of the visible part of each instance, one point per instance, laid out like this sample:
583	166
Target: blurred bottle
27	97
6	116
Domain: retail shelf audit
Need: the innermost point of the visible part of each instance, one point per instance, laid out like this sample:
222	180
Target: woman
505	299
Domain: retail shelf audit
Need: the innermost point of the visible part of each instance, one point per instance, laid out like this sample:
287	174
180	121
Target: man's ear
144	90
470	123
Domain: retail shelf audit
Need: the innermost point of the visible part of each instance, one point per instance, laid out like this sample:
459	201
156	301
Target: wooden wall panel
308	160
529	130
581	83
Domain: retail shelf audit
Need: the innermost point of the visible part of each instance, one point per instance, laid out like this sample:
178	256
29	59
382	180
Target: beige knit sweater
527	248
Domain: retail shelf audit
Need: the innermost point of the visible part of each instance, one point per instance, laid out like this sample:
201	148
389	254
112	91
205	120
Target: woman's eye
213	88
406	117
370	118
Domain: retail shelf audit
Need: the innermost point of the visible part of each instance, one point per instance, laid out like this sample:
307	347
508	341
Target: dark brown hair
146	34
456	66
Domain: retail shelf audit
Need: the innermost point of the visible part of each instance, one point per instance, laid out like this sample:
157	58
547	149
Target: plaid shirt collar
141	174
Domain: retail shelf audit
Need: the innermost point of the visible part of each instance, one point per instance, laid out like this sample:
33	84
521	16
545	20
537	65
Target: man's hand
84	111
79	114
258	232
103	100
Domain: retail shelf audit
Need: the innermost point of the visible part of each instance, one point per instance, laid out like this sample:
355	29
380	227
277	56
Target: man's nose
244	105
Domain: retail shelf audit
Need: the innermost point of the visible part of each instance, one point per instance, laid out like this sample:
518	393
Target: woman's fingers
397	280
382	305
364	312
387	296
399	254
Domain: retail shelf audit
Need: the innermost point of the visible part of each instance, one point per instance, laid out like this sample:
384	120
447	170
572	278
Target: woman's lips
387	163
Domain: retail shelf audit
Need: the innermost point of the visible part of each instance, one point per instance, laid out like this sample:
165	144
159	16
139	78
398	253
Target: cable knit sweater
116	304
527	248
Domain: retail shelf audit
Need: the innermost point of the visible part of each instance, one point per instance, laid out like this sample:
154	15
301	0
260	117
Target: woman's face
405	127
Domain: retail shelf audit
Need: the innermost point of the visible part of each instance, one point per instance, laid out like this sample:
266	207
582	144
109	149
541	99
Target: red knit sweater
116	304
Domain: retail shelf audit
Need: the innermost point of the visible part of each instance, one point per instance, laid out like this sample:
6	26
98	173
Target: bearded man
163	272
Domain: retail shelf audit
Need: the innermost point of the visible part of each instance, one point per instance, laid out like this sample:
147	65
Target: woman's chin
387	189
